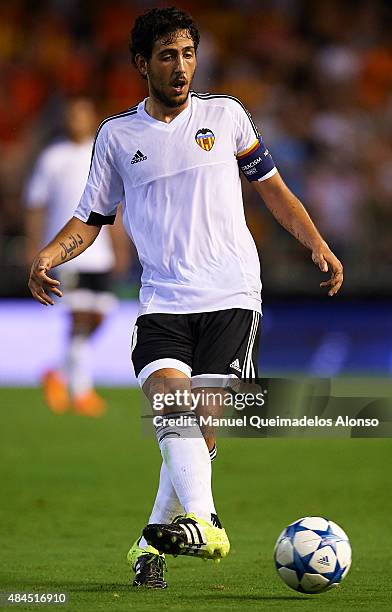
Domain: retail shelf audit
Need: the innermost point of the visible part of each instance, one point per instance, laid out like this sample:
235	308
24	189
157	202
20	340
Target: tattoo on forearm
67	250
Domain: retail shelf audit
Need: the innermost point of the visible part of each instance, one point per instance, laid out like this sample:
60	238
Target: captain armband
256	163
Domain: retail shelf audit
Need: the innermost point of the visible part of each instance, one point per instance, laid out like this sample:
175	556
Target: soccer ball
312	555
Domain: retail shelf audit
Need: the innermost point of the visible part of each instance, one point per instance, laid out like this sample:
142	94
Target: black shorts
224	343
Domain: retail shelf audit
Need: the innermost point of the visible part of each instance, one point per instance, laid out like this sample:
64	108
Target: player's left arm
292	215
257	165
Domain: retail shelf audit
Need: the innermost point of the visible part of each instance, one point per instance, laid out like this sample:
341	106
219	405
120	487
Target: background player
201	284
52	193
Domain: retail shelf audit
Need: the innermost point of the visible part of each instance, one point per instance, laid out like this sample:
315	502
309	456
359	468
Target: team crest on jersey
205	139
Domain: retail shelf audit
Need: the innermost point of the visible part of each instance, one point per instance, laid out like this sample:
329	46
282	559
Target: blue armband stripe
257	162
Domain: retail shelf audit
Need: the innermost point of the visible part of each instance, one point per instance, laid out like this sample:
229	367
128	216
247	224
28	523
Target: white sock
77	365
166	505
188	462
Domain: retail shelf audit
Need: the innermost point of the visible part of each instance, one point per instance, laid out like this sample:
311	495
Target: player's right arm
75	237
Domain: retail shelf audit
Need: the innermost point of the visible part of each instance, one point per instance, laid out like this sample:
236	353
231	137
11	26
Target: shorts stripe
252	373
252	329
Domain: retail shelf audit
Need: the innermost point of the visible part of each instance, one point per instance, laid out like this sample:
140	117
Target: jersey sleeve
104	189
254	159
36	194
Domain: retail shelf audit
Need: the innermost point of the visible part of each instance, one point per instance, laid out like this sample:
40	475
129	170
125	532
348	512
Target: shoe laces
181	518
157	565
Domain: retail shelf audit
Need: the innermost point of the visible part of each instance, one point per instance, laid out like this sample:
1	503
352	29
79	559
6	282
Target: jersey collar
161	124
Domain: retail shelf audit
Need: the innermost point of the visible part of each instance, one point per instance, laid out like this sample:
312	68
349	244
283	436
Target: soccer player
53	191
174	160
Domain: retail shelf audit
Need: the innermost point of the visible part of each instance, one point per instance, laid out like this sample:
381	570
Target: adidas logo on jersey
236	365
138	157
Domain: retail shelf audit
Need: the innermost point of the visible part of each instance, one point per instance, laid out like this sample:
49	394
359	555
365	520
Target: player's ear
141	64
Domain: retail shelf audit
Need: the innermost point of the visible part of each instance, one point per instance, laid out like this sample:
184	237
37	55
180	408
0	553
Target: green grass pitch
75	493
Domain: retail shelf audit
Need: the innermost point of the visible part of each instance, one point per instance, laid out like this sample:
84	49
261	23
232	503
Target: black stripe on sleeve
99	220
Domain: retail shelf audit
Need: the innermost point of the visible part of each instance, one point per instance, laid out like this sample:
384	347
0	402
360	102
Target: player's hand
40	284
326	260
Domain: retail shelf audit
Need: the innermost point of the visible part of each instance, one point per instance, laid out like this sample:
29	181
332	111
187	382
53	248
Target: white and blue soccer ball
312	555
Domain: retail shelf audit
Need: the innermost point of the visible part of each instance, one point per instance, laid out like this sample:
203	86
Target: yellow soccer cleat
190	535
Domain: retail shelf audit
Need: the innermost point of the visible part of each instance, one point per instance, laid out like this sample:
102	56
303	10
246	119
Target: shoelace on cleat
181	519
177	518
159	566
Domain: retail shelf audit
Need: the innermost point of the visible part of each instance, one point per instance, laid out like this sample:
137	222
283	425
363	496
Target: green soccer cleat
189	535
149	566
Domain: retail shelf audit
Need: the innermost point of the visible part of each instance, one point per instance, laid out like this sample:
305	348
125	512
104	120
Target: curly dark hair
154	24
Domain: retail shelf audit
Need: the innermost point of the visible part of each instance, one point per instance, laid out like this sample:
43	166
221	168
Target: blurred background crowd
317	77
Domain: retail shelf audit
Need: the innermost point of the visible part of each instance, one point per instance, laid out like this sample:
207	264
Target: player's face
171	68
80	119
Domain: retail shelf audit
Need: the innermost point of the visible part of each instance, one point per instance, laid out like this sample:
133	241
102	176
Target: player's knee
168	390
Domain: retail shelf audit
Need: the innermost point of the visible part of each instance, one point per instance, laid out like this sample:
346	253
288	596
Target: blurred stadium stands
317	77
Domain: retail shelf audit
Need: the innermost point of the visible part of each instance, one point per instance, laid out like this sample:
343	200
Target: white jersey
57	184
180	187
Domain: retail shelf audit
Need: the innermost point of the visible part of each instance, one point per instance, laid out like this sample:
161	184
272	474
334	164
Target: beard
169	102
